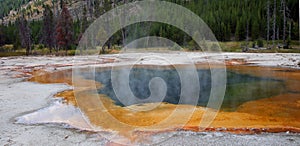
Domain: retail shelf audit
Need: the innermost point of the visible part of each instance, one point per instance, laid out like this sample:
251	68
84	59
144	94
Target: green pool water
240	88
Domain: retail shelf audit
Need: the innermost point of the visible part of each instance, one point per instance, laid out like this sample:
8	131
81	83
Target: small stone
66	137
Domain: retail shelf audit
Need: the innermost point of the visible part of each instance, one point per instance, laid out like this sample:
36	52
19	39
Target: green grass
7	54
276	51
232	46
235	46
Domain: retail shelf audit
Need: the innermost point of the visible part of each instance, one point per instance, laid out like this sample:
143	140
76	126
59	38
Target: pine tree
238	31
24	34
64	30
228	33
268	22
48	28
89	4
255	30
283	4
107	7
2	37
98	9
84	21
274	23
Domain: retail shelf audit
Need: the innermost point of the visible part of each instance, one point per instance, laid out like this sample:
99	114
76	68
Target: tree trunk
27	51
277	33
290	26
284	21
247	35
274	23
268	22
123	36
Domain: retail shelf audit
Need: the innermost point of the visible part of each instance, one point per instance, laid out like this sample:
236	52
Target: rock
66	137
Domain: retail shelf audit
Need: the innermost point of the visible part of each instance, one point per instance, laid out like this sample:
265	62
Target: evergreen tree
98	9
64	30
227	19
2	37
268	22
274	22
84	21
48	28
24	34
284	13
107	6
255	30
238	31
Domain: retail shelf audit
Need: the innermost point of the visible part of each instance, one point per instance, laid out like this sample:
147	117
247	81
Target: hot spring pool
240	88
257	99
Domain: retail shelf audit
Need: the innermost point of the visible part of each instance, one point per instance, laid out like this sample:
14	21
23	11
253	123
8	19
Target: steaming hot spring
151	99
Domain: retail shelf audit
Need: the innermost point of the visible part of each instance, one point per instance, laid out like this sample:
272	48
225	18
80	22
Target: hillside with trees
60	24
10	5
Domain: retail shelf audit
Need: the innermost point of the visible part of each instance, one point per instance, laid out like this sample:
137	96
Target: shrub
253	45
214	47
260	43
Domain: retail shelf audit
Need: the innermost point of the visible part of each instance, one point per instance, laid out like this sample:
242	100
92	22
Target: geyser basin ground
19	98
258	99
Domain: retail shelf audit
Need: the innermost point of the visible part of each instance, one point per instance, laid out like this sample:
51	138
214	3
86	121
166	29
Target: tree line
230	20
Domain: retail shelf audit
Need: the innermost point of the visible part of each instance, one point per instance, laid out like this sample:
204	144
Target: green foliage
8	5
253	44
214	47
238	32
192	45
6	54
260	43
255	32
227	19
175	48
35	27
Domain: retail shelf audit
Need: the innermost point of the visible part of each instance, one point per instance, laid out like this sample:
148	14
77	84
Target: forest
267	22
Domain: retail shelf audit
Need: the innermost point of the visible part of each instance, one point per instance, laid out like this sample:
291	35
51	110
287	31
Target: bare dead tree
24	34
290	27
48	28
123	30
64	29
247	35
89	4
277	33
274	22
283	5
268	23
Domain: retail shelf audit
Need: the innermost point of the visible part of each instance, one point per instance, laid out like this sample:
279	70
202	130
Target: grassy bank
232	46
7	54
